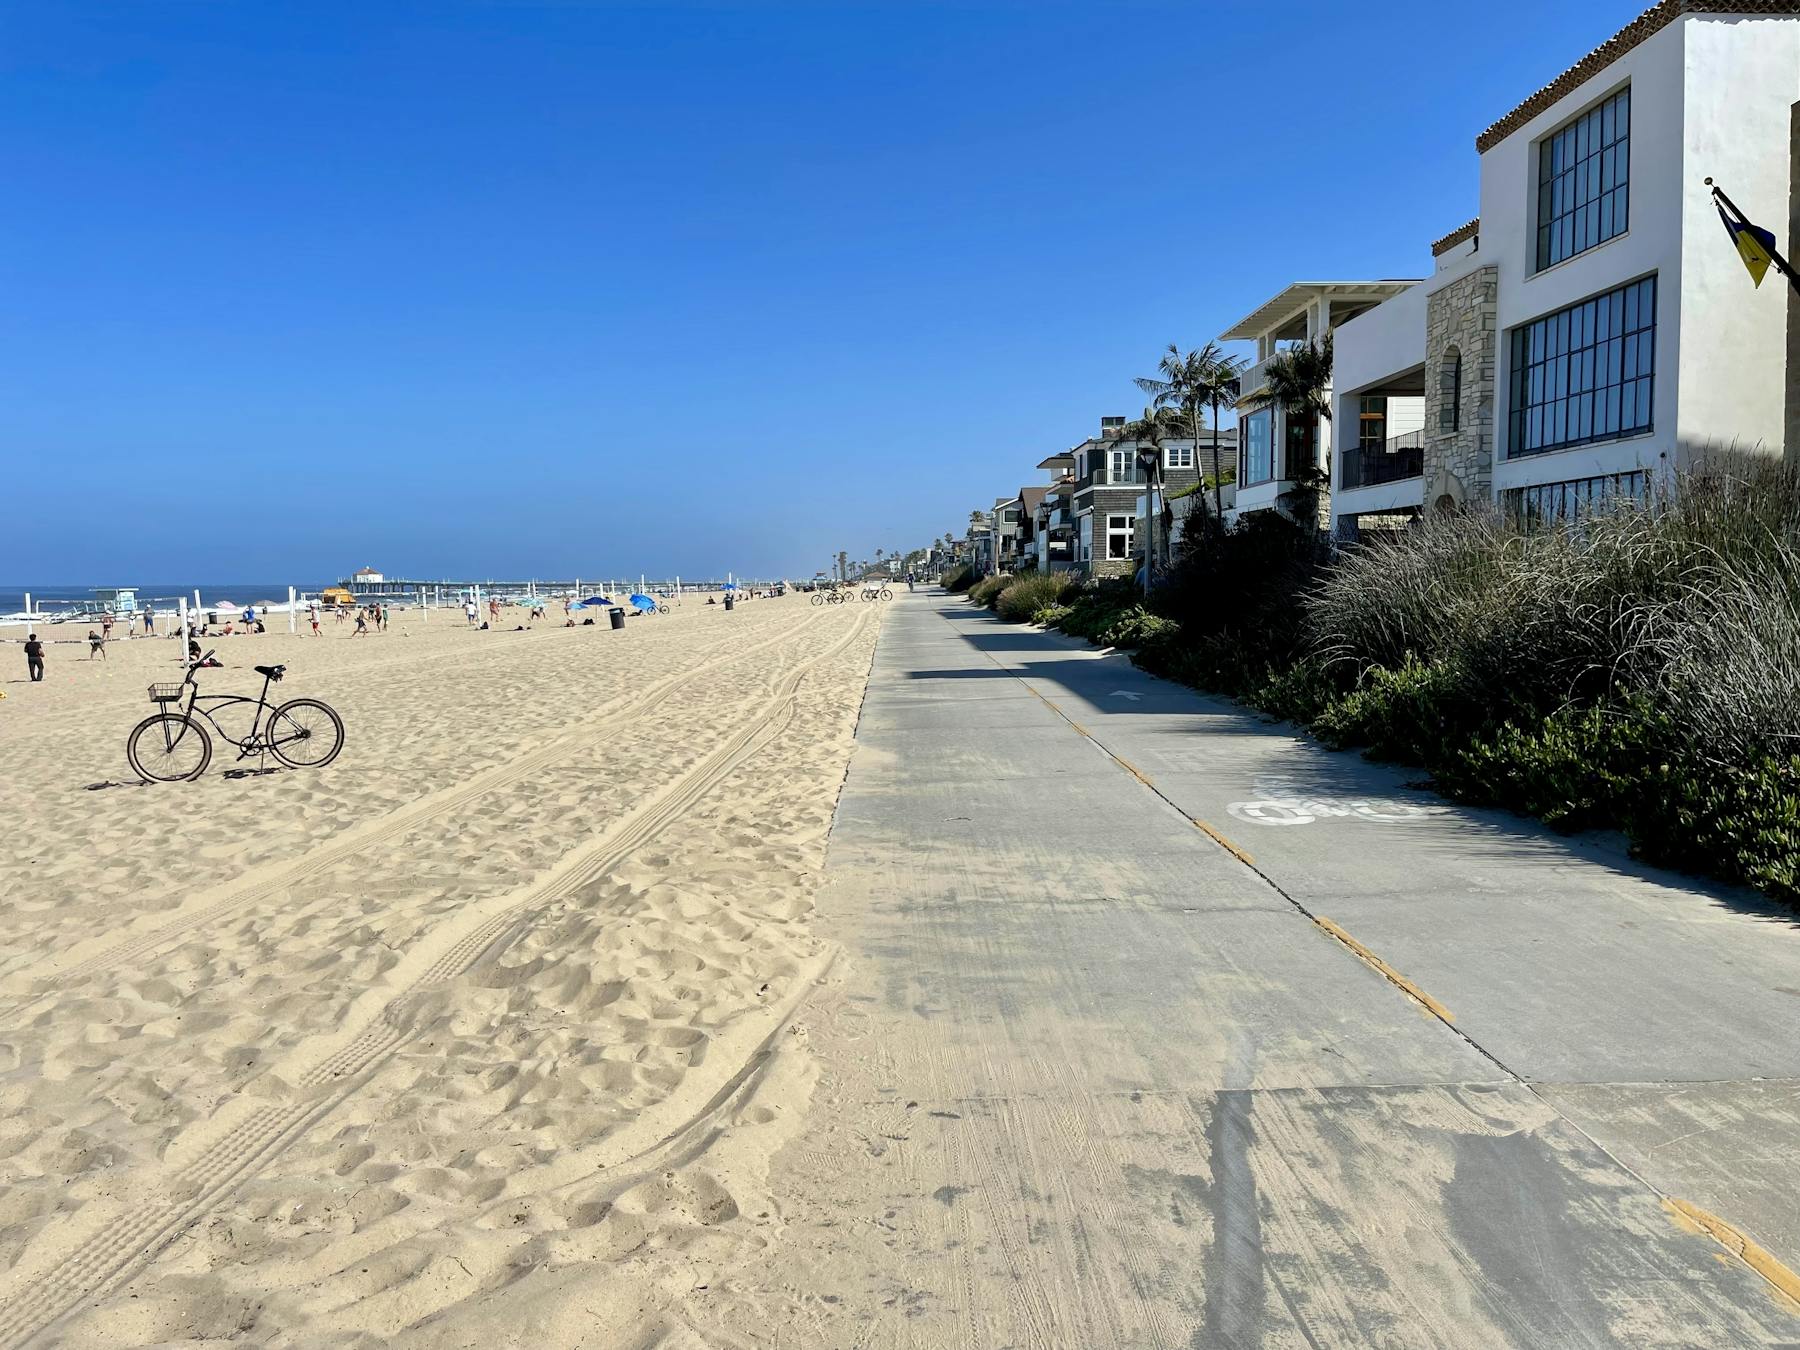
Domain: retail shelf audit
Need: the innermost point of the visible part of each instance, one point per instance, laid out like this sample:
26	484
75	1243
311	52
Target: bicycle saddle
273	672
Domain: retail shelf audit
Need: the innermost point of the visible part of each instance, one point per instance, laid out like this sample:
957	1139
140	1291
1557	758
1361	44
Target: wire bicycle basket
165	693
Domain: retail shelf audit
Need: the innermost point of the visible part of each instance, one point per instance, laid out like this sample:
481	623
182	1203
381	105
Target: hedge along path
230	1147
218	901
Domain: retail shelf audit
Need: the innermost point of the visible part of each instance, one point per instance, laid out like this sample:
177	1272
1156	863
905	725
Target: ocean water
162	594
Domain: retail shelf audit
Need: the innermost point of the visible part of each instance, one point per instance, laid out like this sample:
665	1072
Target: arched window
1450	391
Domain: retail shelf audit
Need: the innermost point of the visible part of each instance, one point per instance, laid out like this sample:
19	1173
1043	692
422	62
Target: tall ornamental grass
1024	598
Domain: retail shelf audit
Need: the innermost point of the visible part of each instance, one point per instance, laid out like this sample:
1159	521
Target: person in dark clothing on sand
34	658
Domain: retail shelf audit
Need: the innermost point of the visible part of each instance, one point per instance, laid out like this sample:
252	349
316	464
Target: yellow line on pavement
1392	976
1739	1244
1224	843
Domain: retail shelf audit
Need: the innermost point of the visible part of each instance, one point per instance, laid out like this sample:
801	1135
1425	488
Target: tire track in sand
374	1028
217	901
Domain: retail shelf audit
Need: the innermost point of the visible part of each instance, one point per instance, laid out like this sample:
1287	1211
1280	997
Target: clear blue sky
505	288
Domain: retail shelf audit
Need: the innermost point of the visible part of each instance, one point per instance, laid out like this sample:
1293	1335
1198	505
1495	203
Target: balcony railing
1396	458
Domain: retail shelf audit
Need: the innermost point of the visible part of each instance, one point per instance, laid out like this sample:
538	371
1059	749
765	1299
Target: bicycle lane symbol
1288	808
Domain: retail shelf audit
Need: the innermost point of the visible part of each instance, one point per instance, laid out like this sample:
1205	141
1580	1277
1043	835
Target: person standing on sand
34	658
469	610
149	621
384	618
494	611
96	645
106	623
313	618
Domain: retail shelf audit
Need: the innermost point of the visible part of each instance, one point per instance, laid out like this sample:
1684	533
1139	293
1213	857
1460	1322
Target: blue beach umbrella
594	600
643	602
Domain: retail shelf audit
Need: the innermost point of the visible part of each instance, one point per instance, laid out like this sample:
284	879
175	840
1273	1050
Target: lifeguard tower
117	599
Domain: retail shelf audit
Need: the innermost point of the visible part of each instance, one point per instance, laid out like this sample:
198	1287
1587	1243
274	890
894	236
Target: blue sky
506	289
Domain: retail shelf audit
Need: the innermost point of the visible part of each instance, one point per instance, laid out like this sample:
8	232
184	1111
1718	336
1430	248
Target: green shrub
1415	713
1136	626
1021	600
987	590
958	579
1051	616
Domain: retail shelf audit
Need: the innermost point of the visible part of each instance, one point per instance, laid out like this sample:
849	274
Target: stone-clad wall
1459	464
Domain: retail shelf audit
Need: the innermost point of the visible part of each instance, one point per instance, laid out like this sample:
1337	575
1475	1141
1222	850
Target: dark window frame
1584	181
1584	373
1246	478
1450	391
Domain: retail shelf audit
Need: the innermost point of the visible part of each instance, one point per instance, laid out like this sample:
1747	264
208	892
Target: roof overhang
1290	304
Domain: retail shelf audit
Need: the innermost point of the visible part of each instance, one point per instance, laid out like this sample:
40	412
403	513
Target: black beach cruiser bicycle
173	745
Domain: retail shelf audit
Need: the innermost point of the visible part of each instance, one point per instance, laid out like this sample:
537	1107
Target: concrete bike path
1115	1059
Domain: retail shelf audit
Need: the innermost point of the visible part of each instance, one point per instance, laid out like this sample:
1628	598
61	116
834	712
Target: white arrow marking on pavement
1120	693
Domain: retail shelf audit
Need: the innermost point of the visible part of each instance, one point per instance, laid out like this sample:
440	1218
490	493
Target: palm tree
1190	382
1155	426
1296	381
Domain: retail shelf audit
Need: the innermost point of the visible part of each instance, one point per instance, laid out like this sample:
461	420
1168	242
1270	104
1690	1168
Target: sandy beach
480	1035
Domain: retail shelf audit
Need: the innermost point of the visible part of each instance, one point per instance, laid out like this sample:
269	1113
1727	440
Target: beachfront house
1108	491
1187	490
1053	527
1279	452
1594	325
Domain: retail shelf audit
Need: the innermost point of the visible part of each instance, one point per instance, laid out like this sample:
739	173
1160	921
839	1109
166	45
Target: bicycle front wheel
818	599
305	734
886	594
168	748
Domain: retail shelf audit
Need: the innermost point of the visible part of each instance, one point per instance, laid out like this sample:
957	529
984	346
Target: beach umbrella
643	602
594	600
731	585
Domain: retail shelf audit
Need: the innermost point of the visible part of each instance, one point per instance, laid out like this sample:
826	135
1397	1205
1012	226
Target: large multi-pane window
1551	503
1583	176
1259	446
1371	424
1122	463
1585	373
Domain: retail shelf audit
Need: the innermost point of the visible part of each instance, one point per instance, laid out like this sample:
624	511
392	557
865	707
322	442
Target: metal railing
1396	458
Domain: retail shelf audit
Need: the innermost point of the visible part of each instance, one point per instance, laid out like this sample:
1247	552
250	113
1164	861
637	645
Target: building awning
1292	303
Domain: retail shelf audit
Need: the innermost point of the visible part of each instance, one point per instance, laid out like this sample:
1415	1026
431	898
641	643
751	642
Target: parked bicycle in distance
877	593
174	746
834	596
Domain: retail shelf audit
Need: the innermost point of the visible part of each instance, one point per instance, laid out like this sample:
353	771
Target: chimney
1110	427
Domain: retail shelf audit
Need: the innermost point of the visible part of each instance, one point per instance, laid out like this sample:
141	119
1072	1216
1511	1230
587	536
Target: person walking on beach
362	625
106	623
494	611
313	618
384	618
34	658
469	610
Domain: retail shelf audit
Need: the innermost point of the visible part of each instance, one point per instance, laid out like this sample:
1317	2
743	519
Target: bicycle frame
252	744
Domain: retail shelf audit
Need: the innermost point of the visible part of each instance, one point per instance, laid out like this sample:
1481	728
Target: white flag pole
292	608
187	629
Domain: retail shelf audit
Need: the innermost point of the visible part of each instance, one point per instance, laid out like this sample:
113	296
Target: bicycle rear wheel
305	734
168	748
818	598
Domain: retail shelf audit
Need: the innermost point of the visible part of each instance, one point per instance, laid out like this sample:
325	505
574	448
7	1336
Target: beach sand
481	1035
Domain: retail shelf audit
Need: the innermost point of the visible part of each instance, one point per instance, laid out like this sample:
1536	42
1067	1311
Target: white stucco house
1272	447
1593	326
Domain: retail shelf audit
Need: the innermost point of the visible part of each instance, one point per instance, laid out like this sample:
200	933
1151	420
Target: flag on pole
1755	245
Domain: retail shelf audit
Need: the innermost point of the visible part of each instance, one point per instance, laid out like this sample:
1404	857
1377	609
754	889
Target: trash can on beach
730	600
618	618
